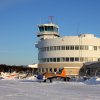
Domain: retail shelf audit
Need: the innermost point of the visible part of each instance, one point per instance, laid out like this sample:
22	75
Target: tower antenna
51	19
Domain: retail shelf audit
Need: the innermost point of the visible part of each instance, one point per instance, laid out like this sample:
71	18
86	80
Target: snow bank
58	90
93	81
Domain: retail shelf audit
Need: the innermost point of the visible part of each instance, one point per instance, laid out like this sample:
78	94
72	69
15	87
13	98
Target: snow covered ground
33	90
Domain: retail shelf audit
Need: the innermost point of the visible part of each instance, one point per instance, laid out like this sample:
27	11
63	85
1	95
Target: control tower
47	31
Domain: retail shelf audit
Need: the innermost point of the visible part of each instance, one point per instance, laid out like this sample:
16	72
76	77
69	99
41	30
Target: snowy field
32	90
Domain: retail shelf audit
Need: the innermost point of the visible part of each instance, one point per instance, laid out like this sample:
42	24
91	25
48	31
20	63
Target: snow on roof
33	66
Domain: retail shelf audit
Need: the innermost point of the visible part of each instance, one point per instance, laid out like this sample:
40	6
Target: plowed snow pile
93	81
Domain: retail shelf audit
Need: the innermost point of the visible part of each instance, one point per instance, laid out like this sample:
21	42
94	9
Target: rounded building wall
68	51
69	47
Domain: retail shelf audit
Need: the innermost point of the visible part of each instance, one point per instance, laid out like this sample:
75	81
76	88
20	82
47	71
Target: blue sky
19	20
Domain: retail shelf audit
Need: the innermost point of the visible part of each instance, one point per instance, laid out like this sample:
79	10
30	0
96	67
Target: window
98	47
58	47
51	48
86	48
54	59
50	69
50	28
95	47
62	47
42	69
55	69
76	59
55	29
46	69
41	28
51	60
46	28
71	47
76	47
55	48
63	59
44	60
98	59
71	59
67	47
81	47
47	59
58	59
39	70
47	48
81	59
67	59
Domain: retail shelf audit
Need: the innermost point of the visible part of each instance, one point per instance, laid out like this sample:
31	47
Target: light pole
86	72
96	72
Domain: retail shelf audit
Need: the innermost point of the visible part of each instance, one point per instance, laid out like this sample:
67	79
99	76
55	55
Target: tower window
50	28
55	29
46	28
41	28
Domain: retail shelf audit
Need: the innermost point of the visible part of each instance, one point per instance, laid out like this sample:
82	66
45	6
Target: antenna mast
51	19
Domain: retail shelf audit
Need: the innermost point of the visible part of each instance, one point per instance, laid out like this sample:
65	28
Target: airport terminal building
69	52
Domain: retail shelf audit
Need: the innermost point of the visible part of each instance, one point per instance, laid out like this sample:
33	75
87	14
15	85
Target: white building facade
70	52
